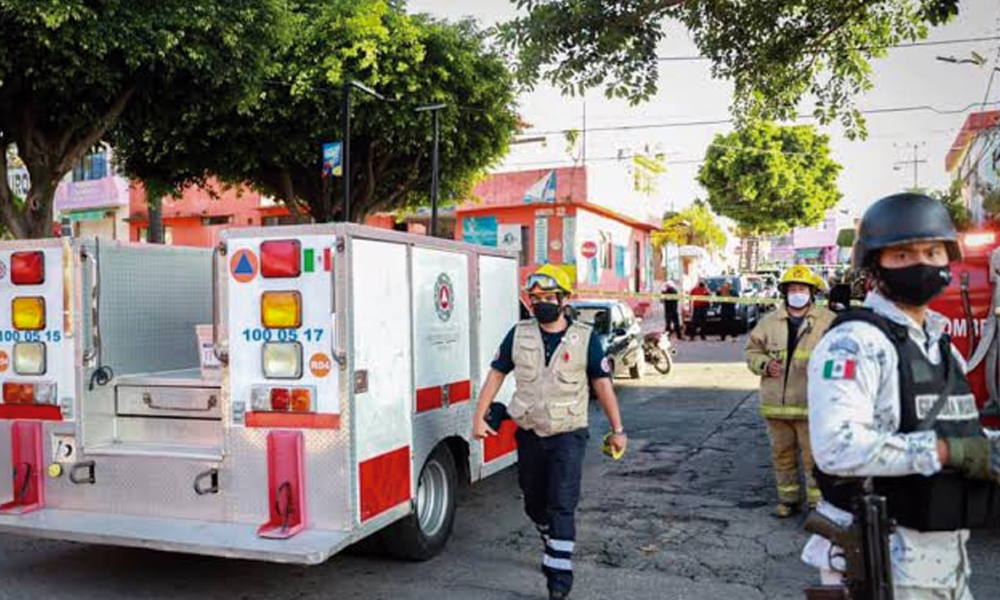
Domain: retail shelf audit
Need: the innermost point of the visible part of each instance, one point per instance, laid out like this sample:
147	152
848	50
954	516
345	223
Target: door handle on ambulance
149	401
220	353
95	308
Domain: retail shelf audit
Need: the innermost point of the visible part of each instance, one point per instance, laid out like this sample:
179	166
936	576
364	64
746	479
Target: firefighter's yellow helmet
549	278
801	274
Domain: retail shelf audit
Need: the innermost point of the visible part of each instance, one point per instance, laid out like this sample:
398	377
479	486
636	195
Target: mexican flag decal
839	369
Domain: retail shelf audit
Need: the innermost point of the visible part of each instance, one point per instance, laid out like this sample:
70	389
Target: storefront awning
808	253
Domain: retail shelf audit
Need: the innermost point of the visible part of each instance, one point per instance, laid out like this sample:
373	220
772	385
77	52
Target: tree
960	215
274	144
70	69
775	52
693	226
771	178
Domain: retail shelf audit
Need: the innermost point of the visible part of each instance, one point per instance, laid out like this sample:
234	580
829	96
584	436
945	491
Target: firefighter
778	350
889	403
553	358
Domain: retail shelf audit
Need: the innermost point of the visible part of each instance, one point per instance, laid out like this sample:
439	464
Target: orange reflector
28	314
18	393
281	310
301	400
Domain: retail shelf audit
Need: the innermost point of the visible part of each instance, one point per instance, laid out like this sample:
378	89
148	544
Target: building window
525	245
91	167
168	234
280	220
606	249
218	220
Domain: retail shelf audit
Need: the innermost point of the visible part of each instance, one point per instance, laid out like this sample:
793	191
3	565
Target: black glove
976	457
496	415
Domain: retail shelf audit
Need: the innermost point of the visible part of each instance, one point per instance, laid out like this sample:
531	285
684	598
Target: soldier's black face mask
546	312
915	285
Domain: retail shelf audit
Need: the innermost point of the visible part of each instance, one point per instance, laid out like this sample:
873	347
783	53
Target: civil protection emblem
444	297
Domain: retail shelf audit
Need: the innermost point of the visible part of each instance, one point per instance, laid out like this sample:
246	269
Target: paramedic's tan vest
553	399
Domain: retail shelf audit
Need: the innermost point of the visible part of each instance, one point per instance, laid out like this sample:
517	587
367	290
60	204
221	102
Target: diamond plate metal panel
136	485
151	299
6	483
327	477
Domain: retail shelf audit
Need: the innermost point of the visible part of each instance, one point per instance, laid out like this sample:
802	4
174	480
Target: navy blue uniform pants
549	472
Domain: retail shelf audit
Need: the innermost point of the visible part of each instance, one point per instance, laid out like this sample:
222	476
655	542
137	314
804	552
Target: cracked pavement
685	515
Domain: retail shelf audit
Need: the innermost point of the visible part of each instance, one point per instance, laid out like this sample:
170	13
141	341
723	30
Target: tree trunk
155	206
35	219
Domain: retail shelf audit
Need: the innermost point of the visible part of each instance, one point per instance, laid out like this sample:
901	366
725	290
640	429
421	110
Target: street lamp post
346	125
435	165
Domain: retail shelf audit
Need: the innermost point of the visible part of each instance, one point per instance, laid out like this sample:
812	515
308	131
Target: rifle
866	551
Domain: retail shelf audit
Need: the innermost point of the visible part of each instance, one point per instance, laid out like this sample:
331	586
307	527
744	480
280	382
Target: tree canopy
274	143
694	226
70	69
771	178
775	52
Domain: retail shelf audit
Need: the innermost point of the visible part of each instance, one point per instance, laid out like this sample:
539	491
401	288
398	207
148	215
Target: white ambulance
349	361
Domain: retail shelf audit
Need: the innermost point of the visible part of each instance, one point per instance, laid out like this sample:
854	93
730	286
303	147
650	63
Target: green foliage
70	69
274	143
961	216
846	237
693	226
775	52
647	170
771	178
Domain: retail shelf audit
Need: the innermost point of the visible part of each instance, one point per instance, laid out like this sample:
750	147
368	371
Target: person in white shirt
888	400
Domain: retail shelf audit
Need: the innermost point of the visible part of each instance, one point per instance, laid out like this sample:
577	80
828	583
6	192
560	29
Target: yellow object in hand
607	449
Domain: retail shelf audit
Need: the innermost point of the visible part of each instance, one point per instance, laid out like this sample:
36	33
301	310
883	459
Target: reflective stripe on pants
788	436
549	472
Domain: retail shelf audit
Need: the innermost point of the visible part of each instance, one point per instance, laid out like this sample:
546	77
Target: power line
951	42
801	117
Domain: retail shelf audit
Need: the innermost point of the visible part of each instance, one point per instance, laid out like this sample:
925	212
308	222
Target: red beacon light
27	268
281	258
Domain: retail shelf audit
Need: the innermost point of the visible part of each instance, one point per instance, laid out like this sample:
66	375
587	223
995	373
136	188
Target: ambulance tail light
27	268
281	258
281	310
282	360
978	240
281	399
18	393
29	358
28	313
29	393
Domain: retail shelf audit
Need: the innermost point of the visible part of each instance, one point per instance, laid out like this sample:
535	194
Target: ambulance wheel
424	533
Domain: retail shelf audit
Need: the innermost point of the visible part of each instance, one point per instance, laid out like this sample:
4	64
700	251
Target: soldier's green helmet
901	219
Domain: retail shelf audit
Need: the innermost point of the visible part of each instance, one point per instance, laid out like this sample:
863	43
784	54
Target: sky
906	77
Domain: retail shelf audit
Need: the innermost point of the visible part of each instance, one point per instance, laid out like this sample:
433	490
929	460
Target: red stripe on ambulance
384	482
432	398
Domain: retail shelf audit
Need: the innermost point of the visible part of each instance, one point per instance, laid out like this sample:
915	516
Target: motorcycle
658	351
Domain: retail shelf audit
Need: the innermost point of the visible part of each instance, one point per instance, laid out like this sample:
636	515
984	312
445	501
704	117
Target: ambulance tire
436	499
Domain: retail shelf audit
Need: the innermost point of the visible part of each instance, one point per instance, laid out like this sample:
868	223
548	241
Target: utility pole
916	161
434	109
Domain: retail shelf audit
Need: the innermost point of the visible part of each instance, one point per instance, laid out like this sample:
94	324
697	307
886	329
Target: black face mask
915	285
546	312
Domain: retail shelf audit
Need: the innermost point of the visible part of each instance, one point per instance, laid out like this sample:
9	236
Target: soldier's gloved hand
976	457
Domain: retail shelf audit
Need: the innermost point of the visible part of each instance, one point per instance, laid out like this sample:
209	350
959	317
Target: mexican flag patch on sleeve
842	368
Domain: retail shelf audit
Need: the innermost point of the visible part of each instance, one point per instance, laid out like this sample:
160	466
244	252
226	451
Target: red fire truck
970	303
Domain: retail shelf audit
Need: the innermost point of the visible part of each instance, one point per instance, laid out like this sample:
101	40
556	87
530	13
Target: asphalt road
685	515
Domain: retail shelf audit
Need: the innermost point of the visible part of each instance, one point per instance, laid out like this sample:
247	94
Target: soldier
778	350
890	408
553	359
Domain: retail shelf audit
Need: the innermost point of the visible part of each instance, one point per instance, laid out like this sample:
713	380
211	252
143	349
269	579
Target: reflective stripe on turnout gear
771	411
558	564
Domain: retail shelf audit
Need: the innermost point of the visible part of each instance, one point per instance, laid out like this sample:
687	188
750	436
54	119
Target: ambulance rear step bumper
228	540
